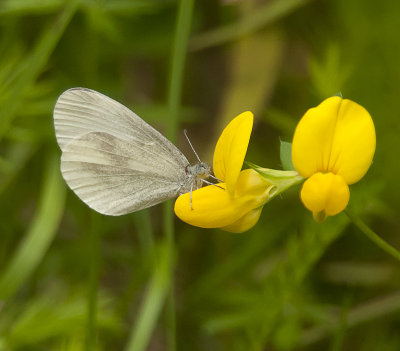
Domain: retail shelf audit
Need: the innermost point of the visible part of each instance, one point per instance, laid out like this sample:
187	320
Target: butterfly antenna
185	132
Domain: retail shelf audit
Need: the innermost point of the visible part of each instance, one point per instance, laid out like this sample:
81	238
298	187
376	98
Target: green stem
94	257
142	220
150	308
375	238
179	50
170	319
182	31
257	19
160	287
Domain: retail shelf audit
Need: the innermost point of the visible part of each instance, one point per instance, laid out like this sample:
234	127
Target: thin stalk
150	308
182	30
179	50
94	257
144	228
170	319
255	20
160	287
375	238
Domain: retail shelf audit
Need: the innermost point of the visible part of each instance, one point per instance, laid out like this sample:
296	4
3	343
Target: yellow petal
213	207
325	194
231	149
337	136
210	207
245	223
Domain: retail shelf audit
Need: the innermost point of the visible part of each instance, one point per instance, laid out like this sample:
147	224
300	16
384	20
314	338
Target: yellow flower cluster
333	147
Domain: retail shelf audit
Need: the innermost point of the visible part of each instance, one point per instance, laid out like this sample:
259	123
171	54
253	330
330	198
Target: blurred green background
71	279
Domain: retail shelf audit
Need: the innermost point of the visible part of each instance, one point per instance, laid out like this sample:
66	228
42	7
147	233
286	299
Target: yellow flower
333	147
237	206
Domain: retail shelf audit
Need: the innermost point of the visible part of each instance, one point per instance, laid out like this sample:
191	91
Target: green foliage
73	280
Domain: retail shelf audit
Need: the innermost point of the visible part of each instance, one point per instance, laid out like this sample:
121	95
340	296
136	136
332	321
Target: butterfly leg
207	182
191	200
211	176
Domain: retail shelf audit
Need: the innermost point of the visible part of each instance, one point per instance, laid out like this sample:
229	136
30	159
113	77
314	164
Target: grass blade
40	235
34	65
257	19
151	307
182	30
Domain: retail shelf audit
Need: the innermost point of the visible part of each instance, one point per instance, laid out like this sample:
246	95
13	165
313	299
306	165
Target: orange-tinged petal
213	207
325	194
231	149
337	136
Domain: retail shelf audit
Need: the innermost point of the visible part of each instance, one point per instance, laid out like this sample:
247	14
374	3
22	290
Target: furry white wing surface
79	111
115	177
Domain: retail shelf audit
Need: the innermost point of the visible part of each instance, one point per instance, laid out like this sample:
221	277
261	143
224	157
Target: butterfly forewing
113	160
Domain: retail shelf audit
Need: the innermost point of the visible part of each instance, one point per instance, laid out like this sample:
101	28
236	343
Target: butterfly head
199	170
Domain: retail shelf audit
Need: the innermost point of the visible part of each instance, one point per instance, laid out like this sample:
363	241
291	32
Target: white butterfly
113	160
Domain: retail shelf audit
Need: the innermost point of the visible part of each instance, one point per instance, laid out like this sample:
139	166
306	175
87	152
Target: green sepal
281	180
286	156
